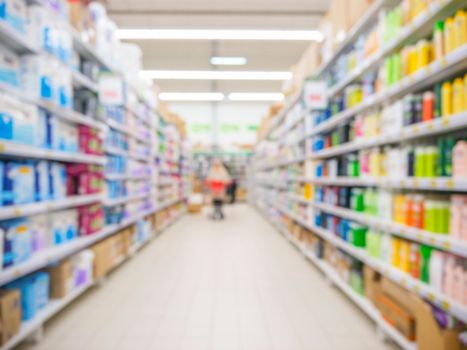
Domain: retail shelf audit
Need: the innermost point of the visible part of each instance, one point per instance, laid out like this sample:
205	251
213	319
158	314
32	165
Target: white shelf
116	151
56	305
53	307
447	304
125	129
431	128
16	211
368	18
283	112
430	184
12	149
282	163
440	241
80	80
15	41
124	200
364	304
453	63
67	115
297	198
420	27
127	177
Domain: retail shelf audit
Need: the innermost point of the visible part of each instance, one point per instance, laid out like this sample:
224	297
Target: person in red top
217	181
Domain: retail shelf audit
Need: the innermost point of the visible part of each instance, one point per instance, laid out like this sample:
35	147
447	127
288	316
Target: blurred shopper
217	181
232	190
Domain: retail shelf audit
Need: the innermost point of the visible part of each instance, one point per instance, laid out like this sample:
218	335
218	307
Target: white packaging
10	67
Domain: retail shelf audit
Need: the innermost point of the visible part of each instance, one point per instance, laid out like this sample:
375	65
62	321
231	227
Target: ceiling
218	14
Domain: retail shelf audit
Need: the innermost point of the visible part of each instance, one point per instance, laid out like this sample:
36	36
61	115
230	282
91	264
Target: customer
217	181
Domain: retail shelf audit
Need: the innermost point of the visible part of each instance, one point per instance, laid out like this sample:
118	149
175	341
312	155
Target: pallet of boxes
196	198
413	317
111	251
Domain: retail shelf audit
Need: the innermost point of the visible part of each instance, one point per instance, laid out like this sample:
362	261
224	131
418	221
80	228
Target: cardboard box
194	208
102	258
10	314
61	279
372	283
400	295
117	248
357	9
397	316
429	335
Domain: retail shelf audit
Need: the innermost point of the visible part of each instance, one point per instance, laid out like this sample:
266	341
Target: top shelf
365	22
419	28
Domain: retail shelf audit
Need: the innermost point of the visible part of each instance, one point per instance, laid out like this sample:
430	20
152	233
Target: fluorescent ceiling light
228	61
214	75
191	96
256	96
219	34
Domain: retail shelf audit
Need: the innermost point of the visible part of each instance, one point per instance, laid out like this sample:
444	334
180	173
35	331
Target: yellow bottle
458	96
465	92
460	28
424	53
446	99
449	35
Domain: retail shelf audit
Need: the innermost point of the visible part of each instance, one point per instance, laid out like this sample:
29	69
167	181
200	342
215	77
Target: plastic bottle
458	96
429	216
424	54
428	106
460	28
431	161
446	105
438	40
449	35
439	99
465	92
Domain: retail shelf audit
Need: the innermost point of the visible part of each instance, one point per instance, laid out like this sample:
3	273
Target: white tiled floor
235	284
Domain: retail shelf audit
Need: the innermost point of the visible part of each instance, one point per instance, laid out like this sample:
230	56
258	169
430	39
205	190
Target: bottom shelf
364	304
28	328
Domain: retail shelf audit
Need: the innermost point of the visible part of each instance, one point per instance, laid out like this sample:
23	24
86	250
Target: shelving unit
140	129
286	187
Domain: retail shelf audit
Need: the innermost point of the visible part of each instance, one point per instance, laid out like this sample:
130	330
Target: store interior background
195	55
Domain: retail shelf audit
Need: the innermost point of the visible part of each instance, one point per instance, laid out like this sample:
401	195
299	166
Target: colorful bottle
428	106
458	96
438	39
460	28
449	35
446	105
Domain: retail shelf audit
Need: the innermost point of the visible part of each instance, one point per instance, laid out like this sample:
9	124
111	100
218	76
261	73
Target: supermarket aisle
209	285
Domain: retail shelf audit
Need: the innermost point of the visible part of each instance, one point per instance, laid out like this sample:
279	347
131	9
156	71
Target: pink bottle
463	227
458	202
458	282
459	160
448	281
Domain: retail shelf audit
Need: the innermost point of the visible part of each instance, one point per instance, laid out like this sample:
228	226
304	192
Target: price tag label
416	289
419	236
445	306
431	297
17	212
416	129
404	282
445	121
447	245
17	273
443	62
2	147
432	183
429	126
416	183
450	184
432	240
